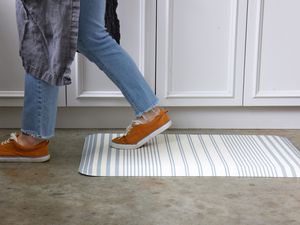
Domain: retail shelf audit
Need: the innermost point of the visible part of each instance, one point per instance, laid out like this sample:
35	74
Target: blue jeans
95	43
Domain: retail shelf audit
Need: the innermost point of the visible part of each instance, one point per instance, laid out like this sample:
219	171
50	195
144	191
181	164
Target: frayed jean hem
153	105
36	135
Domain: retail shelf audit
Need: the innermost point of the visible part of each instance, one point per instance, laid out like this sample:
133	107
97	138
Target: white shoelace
12	137
133	122
142	120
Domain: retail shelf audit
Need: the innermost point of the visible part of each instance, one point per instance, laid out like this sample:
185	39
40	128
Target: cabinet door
200	52
90	85
273	52
12	71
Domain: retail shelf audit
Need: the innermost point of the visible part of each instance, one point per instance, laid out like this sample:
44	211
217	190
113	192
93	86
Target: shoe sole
25	159
144	140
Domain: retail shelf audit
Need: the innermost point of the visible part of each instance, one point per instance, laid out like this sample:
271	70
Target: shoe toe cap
119	140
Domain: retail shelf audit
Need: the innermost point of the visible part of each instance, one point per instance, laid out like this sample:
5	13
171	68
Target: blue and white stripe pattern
192	155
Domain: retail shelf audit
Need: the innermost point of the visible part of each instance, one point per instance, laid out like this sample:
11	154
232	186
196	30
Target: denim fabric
48	31
97	45
40	106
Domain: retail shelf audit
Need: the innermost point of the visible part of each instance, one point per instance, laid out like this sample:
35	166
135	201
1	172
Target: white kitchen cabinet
90	85
200	52
12	71
192	53
272	72
233	52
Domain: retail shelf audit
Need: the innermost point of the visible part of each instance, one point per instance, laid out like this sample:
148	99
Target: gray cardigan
48	31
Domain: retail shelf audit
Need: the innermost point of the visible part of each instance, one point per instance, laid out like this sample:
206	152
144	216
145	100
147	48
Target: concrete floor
55	193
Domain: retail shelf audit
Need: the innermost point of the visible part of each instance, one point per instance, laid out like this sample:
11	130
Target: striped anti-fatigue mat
192	155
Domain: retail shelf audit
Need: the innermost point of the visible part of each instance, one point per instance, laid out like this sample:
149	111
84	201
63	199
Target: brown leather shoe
138	133
12	151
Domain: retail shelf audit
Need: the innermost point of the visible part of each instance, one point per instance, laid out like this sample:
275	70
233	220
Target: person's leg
39	111
99	47
38	121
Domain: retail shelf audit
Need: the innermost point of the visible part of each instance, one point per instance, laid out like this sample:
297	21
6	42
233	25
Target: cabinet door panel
12	71
200	52
273	47
11	79
90	85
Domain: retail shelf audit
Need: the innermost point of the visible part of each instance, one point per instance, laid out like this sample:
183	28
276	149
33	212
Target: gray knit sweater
49	58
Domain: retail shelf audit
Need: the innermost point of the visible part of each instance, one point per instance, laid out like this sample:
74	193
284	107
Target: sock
149	115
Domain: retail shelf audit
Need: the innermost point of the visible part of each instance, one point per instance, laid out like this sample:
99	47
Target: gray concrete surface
55	193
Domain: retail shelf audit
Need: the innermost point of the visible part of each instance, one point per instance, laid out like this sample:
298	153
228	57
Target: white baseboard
182	117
